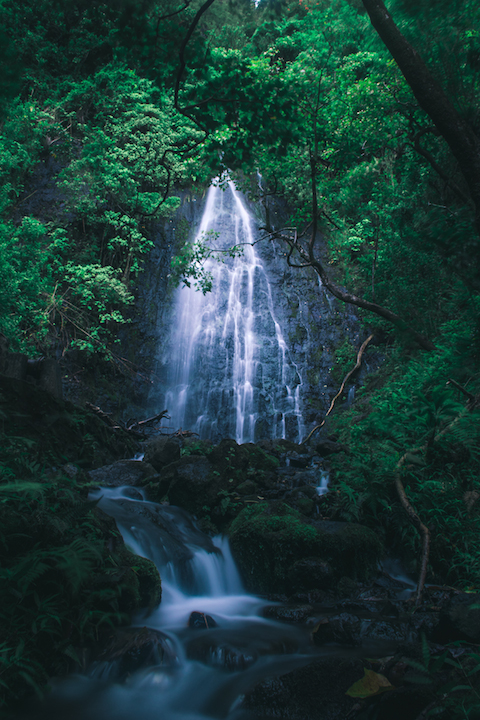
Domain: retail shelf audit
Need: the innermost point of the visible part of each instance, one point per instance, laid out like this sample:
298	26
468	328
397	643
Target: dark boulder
308	693
329	447
123	472
311	573
200	621
187	482
223	655
344	629
288	613
161	451
460	620
133	649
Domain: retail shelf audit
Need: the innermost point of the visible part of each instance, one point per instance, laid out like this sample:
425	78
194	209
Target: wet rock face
274	547
313	325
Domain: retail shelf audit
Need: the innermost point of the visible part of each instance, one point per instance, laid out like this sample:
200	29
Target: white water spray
230	369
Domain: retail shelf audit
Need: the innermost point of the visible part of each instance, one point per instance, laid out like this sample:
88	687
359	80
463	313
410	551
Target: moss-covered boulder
187	482
216	483
269	540
141	586
123	472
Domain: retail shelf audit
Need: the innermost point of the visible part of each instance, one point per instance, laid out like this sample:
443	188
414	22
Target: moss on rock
267	540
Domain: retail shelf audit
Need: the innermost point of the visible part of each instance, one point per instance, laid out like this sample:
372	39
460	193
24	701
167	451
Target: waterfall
230	373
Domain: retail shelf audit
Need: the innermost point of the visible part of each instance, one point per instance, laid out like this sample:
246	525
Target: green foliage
418	408
345	357
452	676
69	278
197	447
46	571
190	263
282	88
64	571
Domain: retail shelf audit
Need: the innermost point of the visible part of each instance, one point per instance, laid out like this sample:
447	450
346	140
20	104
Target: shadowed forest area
363	123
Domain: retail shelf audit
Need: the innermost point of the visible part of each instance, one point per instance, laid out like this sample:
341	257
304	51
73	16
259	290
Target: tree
457	132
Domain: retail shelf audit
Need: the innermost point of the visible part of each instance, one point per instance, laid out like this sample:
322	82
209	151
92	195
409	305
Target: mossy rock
57	429
210	485
136	577
188	483
267	539
149	583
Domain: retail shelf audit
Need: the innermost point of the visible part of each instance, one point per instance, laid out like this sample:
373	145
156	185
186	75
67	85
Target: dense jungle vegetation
114	107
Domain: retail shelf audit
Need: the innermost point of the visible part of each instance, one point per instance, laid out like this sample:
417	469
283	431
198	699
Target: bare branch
342	386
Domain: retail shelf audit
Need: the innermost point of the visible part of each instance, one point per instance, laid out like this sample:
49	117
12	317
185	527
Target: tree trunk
431	97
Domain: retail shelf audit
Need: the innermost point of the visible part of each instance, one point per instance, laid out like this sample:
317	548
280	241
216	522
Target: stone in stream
223	655
200	621
133	649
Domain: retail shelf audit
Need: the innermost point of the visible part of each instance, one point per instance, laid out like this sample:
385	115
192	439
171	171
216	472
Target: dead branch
415	520
102	415
472	398
473	401
342	386
148	422
183	433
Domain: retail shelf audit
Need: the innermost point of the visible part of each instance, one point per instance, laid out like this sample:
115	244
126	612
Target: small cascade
322	487
350	396
198	671
229	368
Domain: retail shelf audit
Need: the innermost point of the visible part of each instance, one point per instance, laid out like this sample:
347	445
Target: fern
77	561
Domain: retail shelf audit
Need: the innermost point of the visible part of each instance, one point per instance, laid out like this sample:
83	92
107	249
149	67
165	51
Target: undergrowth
65	574
420	407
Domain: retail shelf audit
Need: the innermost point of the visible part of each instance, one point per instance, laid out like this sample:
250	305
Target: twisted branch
342	386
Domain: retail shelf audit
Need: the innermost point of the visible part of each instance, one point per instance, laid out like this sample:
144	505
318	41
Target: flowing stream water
204	672
230	373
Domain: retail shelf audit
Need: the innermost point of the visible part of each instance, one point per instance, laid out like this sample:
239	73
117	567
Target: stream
203	672
213	643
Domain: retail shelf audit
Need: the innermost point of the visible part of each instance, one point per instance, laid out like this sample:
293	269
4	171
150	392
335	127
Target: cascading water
230	372
203	673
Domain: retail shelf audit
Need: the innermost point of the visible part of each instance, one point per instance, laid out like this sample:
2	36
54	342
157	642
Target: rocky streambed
349	621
